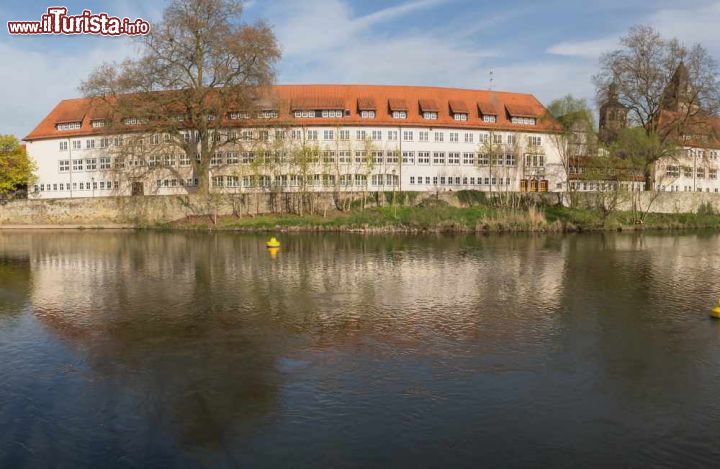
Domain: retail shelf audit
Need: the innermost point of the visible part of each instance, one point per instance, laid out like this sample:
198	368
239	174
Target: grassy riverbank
454	219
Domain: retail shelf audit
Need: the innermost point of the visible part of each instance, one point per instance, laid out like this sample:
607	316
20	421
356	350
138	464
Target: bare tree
200	72
669	89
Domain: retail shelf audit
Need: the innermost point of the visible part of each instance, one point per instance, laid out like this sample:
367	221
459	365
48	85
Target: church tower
613	115
678	95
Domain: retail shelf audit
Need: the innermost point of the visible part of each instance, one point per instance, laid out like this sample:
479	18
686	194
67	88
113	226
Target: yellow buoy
273	252
273	243
715	313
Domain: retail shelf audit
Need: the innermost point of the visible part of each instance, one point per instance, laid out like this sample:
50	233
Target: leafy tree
212	63
16	168
641	73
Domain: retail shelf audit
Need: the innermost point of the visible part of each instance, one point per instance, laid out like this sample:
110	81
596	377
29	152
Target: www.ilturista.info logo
57	21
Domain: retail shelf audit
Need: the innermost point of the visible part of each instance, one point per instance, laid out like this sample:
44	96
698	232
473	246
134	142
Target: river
140	349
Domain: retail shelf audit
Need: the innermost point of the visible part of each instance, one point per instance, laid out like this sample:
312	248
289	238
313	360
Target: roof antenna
492	78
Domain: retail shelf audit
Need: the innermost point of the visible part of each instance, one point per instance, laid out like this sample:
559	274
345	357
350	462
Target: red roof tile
458	107
366	104
347	97
428	105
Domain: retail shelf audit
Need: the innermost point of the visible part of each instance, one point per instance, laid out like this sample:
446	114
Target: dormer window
134	121
430	115
268	114
331	113
460	116
367	114
429	109
68	126
211	117
523	120
399	114
239	115
489	118
98	123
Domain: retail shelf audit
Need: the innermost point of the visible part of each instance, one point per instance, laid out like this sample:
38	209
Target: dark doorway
137	188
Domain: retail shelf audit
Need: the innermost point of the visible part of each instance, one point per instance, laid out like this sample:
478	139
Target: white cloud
34	81
585	49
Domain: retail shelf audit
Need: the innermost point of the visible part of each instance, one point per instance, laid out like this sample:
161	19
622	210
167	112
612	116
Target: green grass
447	218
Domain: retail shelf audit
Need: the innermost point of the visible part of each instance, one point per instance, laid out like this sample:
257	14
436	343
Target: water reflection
209	349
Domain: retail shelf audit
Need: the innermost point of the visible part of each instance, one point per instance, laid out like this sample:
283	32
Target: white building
360	137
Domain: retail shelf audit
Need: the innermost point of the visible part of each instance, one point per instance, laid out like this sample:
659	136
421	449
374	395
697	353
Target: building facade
314	137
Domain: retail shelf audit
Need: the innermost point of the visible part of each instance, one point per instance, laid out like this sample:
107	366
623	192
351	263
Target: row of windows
687	171
189	182
328	134
664	188
82	186
295	180
459	181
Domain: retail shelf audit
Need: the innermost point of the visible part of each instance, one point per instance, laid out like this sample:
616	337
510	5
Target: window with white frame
296	134
105	163
377	156
523	120
376	135
184	159
399	114
423	157
239	115
469	158
424	136
328	156
489	118
344	135
438	157
344	156
328	135
268	114
510	159
453	158
460	116
430	115
63	146
360	135
534	140
64	166
69	126
304	114
232	157
439	136
392	135
511	139
367	114
408	157
497	138
97	123
454	137
90	143
483	159
469	137
331	113
77	165
90	164
76	145
360	156
312	134
408	135
216	159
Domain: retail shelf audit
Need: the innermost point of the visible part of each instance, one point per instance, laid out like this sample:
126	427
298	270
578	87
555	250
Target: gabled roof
350	98
458	107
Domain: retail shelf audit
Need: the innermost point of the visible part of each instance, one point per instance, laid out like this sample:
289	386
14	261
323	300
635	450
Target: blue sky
547	48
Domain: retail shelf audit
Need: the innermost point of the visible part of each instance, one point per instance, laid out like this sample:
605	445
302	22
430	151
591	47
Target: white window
468	137
76	144
268	114
408	157
64	165
239	115
430	115
77	165
523	120
184	159
231	157
216	159
454	137
534	141
360	135
331	113
408	135
424	136
489	118
344	135
63	146
367	114
90	143
497	138
376	135
69	126
399	114
296	134
469	158
438	157
329	135
460	116
105	162
392	135
453	158
304	114
312	134
423	157
95	124
439	136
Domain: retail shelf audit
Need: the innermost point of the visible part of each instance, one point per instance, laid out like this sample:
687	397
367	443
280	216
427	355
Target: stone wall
138	211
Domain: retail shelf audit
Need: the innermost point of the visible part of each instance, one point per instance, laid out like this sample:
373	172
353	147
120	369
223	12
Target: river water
136	349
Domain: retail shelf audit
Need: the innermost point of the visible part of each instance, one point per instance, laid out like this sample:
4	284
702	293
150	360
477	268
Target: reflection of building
311	136
695	167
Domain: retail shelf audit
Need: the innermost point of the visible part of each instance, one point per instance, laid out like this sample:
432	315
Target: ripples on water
145	349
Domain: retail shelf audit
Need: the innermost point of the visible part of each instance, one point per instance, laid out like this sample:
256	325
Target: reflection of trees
14	273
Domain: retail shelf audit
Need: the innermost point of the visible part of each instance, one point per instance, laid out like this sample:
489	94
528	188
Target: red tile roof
366	104
458	107
428	105
348	97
